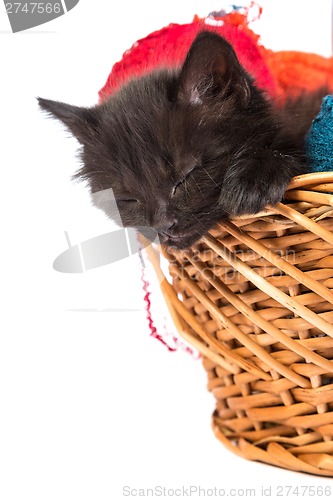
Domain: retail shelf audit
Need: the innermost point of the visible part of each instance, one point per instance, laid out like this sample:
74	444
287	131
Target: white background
89	401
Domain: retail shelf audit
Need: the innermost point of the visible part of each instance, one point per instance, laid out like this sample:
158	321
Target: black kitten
184	149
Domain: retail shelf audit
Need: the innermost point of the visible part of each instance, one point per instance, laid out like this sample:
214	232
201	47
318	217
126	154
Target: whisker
198	185
216	184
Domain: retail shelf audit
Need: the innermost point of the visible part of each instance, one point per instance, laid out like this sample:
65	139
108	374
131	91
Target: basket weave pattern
255	297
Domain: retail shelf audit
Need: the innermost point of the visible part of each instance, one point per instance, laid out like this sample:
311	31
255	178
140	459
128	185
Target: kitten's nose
167	228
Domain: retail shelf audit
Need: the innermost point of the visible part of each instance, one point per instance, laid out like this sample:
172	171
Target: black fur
184	149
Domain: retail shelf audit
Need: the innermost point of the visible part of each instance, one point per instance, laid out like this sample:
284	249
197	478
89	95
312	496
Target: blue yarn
319	141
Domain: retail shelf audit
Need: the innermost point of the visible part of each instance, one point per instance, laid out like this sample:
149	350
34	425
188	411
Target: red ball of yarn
168	48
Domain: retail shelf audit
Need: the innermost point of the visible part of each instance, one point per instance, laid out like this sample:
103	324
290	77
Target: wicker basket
256	299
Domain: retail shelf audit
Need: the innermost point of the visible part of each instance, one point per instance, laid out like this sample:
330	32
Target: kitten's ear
82	122
211	68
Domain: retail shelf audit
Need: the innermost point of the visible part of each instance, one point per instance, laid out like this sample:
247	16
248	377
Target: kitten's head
167	141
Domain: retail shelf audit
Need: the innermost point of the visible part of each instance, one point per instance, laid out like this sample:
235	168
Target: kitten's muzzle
167	229
176	236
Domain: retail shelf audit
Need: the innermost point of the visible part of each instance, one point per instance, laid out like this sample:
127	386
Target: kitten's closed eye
127	200
183	179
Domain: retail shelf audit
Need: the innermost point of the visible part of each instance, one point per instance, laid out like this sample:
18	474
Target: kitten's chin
180	242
